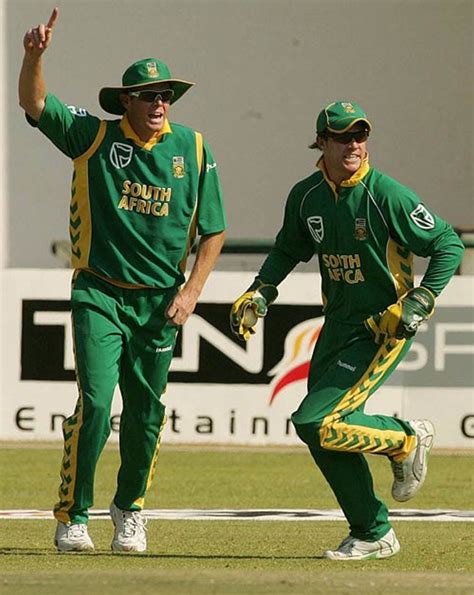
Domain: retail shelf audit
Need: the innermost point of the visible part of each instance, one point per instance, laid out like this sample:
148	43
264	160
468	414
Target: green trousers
346	368
121	336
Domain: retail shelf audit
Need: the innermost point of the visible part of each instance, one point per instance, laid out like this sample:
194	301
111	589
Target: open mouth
155	117
351	158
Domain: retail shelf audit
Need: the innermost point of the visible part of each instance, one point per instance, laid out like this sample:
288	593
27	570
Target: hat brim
349	125
109	97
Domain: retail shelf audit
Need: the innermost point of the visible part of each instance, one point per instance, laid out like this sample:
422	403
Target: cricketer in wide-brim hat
144	73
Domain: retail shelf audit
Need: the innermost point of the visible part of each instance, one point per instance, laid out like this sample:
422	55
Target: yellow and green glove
402	319
257	298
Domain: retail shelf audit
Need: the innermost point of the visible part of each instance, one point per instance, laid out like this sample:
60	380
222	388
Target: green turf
228	478
200	557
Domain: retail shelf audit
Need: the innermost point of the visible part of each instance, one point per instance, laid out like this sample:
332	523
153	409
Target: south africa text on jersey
146	199
343	267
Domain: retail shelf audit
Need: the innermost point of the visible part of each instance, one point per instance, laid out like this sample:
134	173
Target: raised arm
31	85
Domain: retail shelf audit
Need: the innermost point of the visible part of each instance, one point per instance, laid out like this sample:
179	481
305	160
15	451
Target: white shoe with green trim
72	538
130	530
411	473
356	549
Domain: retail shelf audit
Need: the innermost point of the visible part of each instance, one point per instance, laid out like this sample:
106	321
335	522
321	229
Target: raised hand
37	39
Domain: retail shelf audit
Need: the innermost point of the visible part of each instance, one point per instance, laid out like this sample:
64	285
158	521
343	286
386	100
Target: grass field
200	557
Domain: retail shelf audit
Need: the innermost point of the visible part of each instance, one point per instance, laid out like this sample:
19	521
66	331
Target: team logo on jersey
348	108
178	167
120	155
422	217
316	227
152	69
360	231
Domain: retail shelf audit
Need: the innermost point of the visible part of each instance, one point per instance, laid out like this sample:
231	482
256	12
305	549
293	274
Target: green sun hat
340	116
147	72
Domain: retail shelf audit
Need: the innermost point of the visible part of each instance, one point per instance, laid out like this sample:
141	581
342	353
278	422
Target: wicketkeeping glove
257	298
402	319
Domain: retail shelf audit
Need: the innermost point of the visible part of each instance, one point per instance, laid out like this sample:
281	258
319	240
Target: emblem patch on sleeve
178	167
316	227
422	218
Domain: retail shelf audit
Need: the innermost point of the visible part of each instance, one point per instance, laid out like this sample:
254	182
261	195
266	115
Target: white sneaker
356	549
411	473
72	538
129	533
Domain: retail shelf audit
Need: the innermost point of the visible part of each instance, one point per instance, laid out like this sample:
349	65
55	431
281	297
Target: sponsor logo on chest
316	227
120	155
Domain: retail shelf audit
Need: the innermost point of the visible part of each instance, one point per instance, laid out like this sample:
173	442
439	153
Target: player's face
147	116
343	159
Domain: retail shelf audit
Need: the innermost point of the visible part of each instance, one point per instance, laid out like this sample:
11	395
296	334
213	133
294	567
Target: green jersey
365	237
136	206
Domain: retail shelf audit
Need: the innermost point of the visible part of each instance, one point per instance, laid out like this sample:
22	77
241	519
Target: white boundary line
265	514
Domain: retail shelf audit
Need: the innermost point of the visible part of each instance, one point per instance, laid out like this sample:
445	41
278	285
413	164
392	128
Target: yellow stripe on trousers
360	392
338	435
141	501
352	438
71	429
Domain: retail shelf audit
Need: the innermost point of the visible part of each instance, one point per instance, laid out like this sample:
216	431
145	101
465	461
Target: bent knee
308	432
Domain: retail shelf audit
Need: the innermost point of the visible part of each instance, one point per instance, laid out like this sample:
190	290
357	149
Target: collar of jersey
149	144
353	180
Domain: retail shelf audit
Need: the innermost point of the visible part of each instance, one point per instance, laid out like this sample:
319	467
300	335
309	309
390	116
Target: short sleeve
211	214
72	130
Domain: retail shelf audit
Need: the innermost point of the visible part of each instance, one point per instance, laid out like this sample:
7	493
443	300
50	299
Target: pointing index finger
53	18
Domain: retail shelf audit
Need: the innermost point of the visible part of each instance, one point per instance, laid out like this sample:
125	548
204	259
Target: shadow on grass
47	552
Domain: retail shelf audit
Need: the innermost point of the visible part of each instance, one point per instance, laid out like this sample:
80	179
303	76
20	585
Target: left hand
257	298
182	306
402	319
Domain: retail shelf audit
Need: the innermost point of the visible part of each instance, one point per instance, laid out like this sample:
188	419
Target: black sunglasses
152	96
360	136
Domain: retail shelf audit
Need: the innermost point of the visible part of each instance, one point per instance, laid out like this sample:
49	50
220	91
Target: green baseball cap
340	116
145	72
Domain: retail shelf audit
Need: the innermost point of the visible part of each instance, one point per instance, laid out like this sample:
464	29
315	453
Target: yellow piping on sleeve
95	145
199	151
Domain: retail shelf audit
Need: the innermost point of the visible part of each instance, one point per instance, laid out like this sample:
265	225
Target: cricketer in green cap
340	116
365	228
144	73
